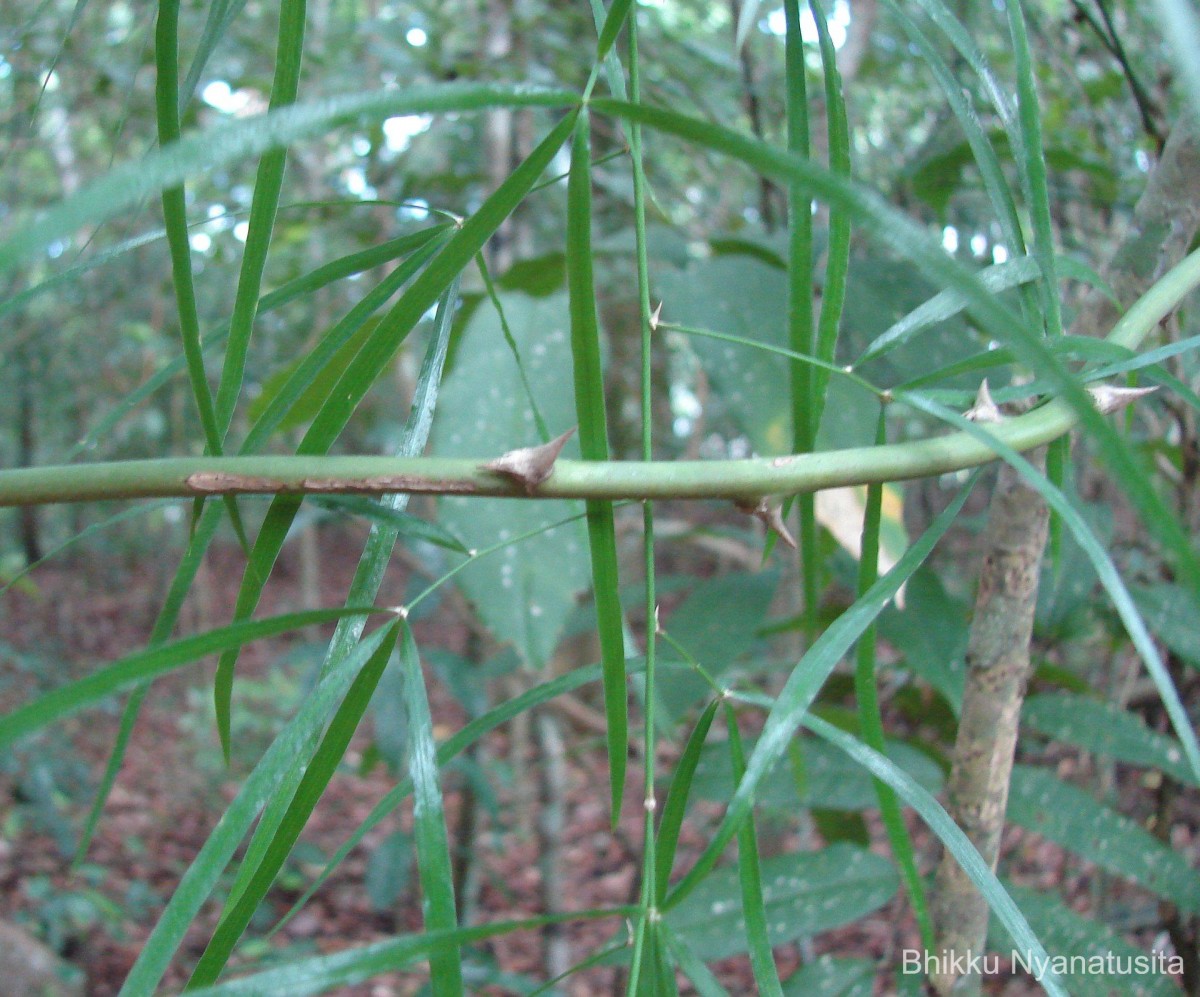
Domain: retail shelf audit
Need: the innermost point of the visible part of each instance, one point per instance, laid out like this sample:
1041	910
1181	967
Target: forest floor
172	788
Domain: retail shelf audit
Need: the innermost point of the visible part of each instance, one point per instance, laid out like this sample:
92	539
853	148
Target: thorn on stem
984	409
1110	398
771	516
529	466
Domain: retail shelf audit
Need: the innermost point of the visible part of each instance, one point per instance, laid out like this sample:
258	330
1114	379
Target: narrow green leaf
1035	166
152	662
837	254
174	204
367	578
593	444
966	47
754	911
194	155
87	531
263	206
805	682
947	304
449	749
407	525
802	335
293	289
677	799
612	27
319	974
984	153
365	369
511	342
71	275
870	720
429	830
1069	935
693	966
318	770
956	842
299	392
207	867
221	14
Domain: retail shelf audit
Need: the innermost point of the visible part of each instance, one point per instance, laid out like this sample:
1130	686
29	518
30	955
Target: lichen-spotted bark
997	673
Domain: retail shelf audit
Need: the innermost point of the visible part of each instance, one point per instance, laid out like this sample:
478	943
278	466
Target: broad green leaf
826	976
388	871
936	655
718	625
483	415
804	894
1108	962
1170	614
1106	729
955	841
743	296
1065	814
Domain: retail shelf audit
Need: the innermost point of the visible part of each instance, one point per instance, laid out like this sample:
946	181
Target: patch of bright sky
220	95
416	37
400	130
839	22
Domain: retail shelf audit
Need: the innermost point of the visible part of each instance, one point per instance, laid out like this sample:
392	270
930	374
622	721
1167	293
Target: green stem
731	479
